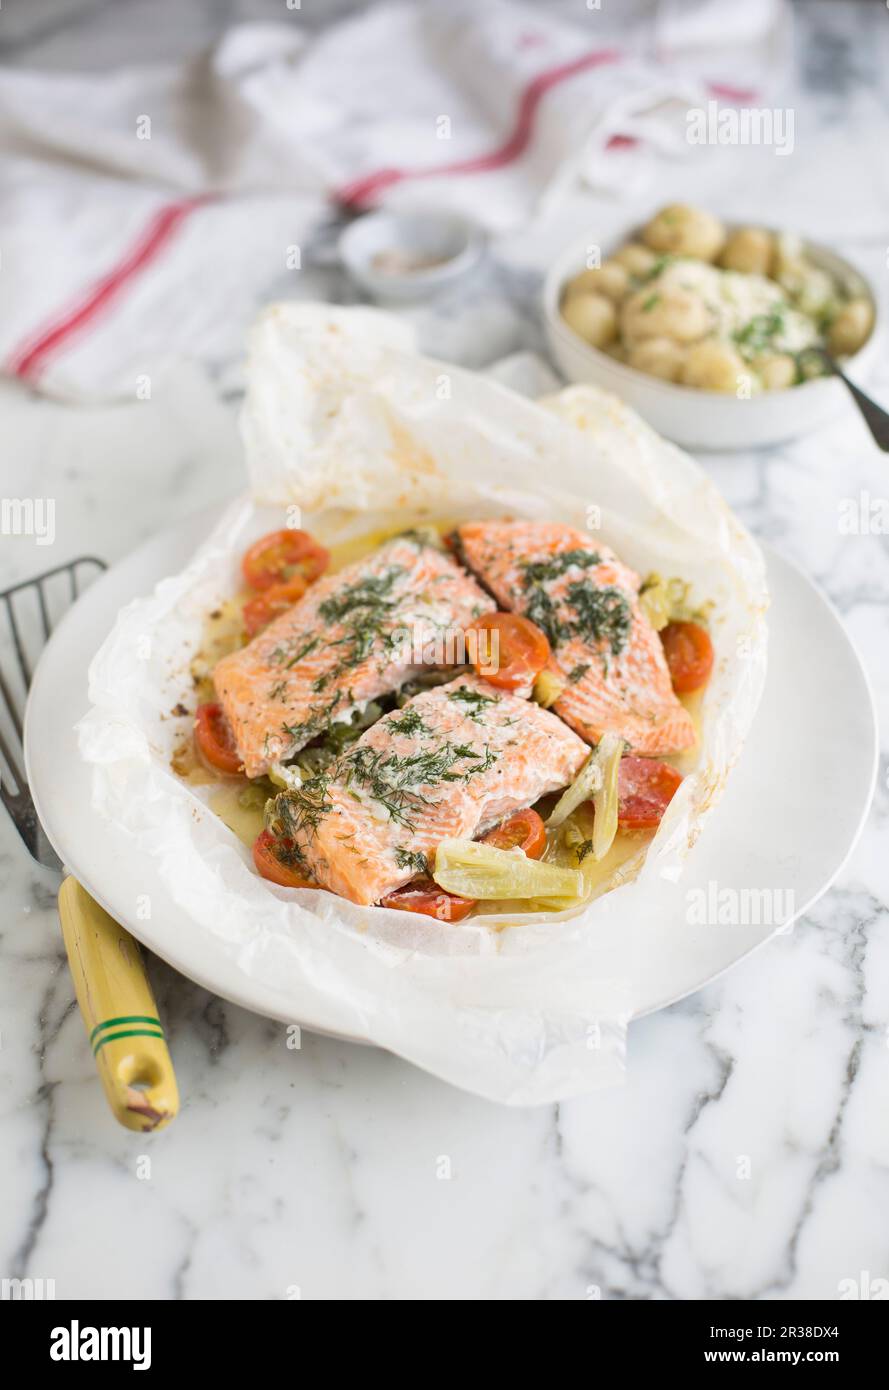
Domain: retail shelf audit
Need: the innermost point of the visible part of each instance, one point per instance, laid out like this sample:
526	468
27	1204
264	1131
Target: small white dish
404	256
769	832
704	419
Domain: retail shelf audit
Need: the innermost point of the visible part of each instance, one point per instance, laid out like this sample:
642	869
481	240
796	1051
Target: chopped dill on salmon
603	645
341	646
420	775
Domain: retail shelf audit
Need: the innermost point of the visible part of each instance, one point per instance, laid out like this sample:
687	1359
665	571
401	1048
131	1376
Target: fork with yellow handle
112	988
119	1011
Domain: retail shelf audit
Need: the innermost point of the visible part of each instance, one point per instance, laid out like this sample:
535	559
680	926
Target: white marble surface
317	1170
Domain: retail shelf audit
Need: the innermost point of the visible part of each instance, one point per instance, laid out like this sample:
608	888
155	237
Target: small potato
658	357
851	328
669	311
635	258
750	250
714	366
778	372
610	279
593	317
811	288
680	230
817	290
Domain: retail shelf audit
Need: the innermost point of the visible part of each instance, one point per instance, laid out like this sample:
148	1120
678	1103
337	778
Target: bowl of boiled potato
711	330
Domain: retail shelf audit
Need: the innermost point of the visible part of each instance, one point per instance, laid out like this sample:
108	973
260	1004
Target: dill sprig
318	721
544	613
410	722
394	780
300	810
473	700
602	614
760	331
543	610
544	571
365	609
288	657
368	592
654	270
411	859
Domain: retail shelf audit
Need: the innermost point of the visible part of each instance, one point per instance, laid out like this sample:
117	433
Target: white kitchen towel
147	212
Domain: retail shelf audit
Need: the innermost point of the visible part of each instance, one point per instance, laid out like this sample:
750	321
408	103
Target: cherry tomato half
512	650
523	830
689	654
424	895
275	860
645	789
282	554
271	603
214	738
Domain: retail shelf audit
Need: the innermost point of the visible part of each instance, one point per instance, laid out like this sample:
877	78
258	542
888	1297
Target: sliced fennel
597	780
288	777
547	688
605	801
553	904
668	601
586	784
663	600
577	843
342	732
475	870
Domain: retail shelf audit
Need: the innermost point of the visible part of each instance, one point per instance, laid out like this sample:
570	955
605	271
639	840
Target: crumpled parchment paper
345	422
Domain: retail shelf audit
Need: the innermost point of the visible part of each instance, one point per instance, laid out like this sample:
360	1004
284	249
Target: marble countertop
747	1155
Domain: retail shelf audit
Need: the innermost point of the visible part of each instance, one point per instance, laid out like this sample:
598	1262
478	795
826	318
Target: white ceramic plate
705	419
789	818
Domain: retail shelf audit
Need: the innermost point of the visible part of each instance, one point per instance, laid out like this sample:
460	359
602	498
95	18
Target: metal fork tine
44	612
13	765
17	641
11	705
19	802
51	574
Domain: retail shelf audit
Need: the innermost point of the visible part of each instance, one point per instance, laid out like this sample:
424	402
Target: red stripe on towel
741	96
29	360
361	192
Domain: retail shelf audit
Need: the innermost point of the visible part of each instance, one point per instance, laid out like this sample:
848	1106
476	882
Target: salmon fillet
586	601
340	646
453	762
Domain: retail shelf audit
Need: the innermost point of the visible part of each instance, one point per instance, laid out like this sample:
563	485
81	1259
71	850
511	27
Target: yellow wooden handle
119	1011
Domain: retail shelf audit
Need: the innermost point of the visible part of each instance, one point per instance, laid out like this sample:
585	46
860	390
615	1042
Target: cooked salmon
586	601
454	761
343	645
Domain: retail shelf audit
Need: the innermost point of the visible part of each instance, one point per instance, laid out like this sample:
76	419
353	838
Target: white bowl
453	242
694	418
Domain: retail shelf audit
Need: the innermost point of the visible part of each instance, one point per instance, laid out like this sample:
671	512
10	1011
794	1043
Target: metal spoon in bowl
875	417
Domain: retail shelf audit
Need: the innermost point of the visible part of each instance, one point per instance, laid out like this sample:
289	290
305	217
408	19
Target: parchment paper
345	422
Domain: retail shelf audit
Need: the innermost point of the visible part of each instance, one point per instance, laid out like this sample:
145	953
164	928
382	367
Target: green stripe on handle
126	1018
128	1033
